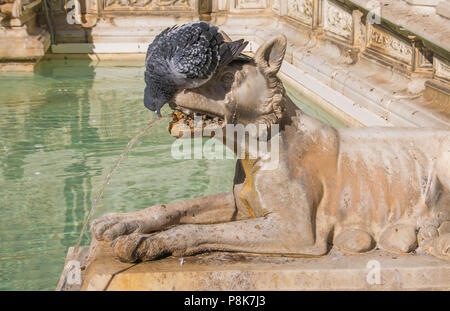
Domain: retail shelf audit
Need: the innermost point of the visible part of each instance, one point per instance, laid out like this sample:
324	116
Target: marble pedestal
232	271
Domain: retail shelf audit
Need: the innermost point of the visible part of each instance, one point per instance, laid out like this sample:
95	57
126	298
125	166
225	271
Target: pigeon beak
153	107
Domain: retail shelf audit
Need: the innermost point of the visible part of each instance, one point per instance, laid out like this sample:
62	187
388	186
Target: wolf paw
111	226
137	247
354	241
399	238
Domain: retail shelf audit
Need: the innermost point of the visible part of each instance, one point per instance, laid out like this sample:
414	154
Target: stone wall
351	24
396	66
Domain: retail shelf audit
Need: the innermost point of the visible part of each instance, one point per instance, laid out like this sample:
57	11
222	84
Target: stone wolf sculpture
355	189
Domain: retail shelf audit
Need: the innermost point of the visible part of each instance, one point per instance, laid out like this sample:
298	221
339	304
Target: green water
61	130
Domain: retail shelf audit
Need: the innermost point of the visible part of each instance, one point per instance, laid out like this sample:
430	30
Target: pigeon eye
151	67
228	78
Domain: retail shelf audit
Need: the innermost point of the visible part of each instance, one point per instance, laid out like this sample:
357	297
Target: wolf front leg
265	235
209	209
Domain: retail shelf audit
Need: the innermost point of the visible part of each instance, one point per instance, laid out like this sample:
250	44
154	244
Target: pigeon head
154	100
157	93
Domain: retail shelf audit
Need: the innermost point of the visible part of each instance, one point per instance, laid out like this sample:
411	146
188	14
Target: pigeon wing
159	43
189	55
157	54
196	56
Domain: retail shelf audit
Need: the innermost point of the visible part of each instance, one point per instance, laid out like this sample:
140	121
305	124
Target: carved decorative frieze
302	10
251	4
386	44
441	69
175	5
337	21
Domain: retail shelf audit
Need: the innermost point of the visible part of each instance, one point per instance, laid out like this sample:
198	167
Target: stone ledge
232	271
423	2
382	94
428	26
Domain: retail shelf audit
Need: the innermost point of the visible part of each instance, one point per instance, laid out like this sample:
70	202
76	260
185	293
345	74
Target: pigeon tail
230	50
238	46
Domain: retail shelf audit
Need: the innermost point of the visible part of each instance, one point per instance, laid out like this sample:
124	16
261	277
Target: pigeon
185	57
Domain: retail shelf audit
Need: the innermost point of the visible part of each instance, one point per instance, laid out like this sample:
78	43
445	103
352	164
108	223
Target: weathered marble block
233	271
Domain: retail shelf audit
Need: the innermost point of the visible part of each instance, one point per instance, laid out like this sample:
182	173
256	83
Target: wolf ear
269	56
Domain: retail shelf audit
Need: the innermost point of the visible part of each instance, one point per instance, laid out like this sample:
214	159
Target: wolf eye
228	78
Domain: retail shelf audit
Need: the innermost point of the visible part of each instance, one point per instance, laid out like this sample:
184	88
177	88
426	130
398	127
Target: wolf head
243	92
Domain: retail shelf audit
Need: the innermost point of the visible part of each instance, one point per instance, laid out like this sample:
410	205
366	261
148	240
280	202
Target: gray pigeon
185	57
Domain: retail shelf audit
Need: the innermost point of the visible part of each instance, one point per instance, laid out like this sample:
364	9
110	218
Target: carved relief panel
150	5
337	21
251	4
386	44
441	69
301	10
